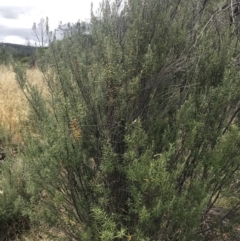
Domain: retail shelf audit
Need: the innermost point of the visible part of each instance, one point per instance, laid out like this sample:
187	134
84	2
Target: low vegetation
128	129
14	222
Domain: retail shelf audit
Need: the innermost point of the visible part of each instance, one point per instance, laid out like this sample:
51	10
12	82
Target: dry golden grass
12	101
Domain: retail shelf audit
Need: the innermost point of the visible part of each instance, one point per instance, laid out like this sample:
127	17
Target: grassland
12	101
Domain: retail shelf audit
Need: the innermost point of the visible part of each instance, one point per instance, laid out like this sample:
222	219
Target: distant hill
17	49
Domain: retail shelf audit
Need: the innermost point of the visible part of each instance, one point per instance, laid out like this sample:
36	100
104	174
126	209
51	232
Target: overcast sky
17	16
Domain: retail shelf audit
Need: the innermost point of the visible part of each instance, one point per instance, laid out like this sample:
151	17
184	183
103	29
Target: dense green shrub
25	60
4	56
13	195
138	138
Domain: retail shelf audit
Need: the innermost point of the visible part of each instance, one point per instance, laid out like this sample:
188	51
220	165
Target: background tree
41	32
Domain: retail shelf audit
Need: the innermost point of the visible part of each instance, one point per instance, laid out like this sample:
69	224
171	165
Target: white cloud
15	14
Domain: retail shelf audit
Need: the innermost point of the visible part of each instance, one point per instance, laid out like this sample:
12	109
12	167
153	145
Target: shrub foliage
138	137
